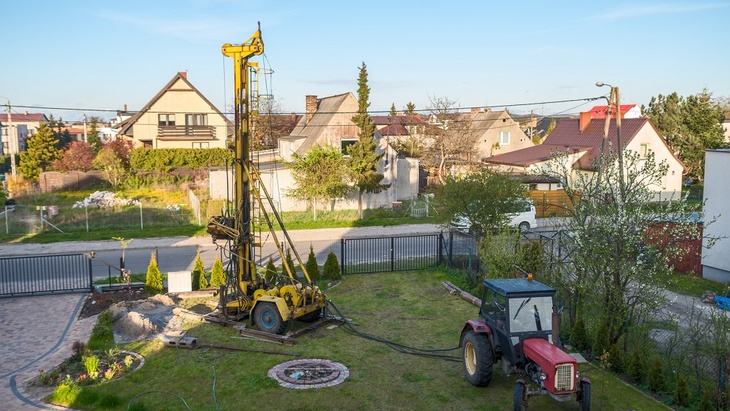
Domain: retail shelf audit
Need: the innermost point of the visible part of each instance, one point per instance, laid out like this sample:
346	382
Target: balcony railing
185	133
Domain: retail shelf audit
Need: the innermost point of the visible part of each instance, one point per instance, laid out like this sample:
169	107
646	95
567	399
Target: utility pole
614	101
85	140
12	142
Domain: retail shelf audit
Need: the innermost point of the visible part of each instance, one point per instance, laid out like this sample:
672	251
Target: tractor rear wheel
585	396
268	319
519	396
478	358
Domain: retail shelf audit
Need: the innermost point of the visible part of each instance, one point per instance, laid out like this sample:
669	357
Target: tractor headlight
543	376
577	374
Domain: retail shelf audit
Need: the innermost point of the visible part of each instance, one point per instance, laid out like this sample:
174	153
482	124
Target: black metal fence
45	275
402	253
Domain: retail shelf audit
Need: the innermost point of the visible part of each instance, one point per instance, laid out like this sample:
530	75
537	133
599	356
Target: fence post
392	254
451	248
343	271
91	275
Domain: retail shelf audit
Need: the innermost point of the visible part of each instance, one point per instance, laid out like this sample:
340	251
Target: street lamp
613	101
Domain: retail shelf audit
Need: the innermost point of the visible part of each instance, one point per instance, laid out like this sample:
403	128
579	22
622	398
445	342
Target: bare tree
450	135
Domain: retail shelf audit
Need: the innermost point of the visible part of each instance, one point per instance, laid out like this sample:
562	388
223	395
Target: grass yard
410	308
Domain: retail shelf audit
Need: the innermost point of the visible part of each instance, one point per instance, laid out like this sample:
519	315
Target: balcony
186	133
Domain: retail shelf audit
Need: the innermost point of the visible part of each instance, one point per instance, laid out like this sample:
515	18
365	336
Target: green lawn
410	308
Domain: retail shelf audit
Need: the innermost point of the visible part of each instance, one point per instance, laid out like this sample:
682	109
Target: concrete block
179	281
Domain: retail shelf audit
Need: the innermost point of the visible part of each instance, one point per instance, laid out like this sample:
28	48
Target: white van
525	219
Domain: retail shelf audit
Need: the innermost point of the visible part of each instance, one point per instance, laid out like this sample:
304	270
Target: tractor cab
516	310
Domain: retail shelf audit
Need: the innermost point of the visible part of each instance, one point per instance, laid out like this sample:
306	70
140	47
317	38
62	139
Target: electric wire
423	352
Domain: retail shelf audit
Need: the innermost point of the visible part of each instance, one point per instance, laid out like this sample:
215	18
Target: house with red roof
582	139
627	111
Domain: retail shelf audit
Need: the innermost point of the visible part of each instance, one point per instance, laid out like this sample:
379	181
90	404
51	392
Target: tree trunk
359	204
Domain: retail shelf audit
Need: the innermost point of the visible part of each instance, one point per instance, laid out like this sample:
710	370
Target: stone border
283	374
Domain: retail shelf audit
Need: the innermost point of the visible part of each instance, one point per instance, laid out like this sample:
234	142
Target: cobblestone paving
36	333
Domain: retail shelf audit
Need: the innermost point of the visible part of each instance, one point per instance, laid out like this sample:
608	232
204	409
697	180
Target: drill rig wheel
267	318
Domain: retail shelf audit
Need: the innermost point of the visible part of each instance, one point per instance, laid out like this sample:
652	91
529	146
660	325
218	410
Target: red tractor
518	325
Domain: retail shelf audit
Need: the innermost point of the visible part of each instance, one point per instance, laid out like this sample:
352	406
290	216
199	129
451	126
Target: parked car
524	219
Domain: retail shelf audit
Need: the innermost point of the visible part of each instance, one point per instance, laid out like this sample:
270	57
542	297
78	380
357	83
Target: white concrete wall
278	180
716	260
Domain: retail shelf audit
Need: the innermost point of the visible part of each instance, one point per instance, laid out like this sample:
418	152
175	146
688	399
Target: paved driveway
36	333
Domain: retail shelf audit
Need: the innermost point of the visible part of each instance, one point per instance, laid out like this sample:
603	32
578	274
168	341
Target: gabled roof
483	121
125	125
327	108
567	136
599	112
394	130
404	120
24	118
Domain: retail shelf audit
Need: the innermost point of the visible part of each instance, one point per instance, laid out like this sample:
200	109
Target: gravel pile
104	199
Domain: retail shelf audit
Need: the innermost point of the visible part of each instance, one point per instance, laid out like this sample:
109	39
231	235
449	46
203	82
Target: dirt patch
98	302
146	319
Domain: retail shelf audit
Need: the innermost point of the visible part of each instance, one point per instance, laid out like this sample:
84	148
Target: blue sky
87	55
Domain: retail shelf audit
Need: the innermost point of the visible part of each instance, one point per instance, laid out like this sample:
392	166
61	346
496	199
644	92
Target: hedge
166	159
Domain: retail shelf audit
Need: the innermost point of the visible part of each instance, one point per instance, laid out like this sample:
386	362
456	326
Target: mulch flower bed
98	302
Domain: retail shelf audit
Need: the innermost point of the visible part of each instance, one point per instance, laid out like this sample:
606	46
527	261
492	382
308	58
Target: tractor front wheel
585	396
519	400
268	319
478	358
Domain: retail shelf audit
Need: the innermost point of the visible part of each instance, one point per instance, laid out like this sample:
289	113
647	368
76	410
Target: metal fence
45	274
402	253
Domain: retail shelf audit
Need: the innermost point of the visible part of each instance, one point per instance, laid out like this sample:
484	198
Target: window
643	150
164	120
346	142
504	138
196	119
203	144
146	143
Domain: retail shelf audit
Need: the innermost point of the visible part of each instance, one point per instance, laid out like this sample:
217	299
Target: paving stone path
36	333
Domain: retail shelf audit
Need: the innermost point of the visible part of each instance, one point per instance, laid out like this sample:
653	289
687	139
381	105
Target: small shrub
311	265
616	359
200	282
637	367
270	273
79	349
217	275
682	393
153	281
331	269
602	342
290	264
91	363
657	378
128	361
579	338
706	403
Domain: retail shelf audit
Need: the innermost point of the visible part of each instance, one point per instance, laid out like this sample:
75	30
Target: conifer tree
637	366
682	393
217	274
200	282
578	338
363	158
40	154
153	281
311	265
602	343
290	264
270	274
657	378
331	269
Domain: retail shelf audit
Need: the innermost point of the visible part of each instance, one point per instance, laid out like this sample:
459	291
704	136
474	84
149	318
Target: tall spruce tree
363	158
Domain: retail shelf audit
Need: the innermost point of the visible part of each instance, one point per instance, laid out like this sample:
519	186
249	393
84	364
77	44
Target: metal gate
383	254
45	275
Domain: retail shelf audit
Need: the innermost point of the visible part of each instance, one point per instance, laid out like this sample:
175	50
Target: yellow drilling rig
270	304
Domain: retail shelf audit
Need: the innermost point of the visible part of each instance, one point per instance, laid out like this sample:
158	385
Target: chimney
125	108
474	110
311	107
183	74
585	119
